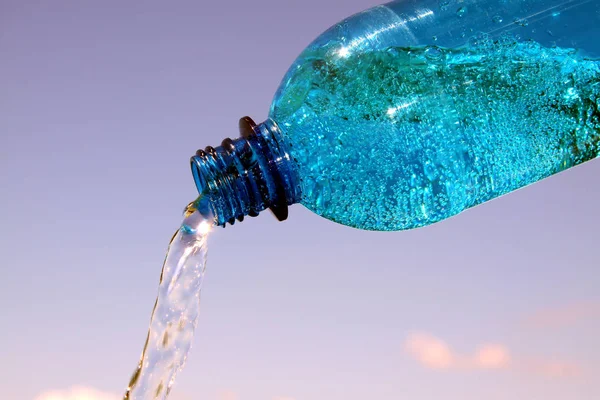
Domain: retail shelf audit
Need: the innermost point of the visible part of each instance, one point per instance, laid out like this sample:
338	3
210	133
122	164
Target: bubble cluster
403	137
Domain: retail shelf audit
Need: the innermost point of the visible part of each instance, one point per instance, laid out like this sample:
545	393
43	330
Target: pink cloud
430	351
80	392
227	395
491	356
434	353
77	393
567	315
553	369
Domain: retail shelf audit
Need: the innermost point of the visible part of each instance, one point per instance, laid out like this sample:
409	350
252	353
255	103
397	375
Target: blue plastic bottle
413	111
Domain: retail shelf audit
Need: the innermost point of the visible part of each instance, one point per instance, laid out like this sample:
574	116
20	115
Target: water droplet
435	38
461	12
444	4
497	19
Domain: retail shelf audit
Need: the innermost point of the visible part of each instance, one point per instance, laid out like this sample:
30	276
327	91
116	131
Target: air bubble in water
433	53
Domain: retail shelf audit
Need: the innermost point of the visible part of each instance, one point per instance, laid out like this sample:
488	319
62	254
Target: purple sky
101	105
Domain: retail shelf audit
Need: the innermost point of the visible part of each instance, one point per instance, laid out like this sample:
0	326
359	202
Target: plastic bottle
411	112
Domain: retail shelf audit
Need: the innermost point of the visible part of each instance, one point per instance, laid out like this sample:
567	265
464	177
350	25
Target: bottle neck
248	175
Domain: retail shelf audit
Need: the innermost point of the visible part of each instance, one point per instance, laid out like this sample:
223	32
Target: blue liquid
404	137
411	112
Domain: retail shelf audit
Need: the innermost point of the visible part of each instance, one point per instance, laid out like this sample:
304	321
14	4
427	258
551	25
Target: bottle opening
247	175
198	178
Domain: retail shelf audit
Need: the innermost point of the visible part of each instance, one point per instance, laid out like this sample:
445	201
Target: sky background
101	105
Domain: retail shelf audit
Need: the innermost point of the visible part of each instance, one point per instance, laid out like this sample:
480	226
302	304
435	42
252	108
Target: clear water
176	309
400	137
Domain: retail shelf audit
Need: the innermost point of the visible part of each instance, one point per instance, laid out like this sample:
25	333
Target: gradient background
101	105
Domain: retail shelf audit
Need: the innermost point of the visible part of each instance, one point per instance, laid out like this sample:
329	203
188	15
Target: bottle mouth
199	179
247	175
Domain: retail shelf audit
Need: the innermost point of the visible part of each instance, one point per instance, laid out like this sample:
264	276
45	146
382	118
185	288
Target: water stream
176	310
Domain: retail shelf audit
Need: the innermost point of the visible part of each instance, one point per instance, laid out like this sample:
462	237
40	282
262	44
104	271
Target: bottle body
411	112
